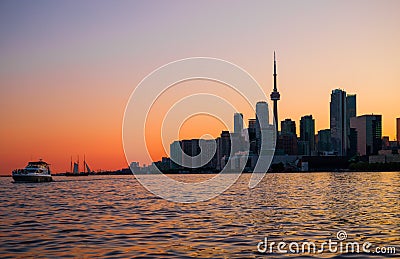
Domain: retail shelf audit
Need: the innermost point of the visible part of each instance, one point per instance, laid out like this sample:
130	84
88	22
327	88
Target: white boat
37	171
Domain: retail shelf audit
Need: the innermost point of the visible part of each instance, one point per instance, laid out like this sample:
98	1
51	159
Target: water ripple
115	217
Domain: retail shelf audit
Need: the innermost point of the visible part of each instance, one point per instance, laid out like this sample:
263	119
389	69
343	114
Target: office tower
324	140
252	140
307	132
262	115
352	142
262	122
369	133
175	151
398	130
287	140
351	103
385	143
208	155
223	149
288	127
252	136
340	120
252	124
287	144
238	123
275	97
351	111
191	148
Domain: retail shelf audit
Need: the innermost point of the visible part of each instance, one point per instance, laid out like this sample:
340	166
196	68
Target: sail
76	168
87	168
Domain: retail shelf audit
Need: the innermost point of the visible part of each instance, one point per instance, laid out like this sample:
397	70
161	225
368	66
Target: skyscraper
252	136
324	140
208	155
342	108
175	150
275	97
352	151
286	145
351	106
398	130
307	134
287	140
369	133
262	122
351	103
262	114
338	122
223	149
288	127
238	123
192	149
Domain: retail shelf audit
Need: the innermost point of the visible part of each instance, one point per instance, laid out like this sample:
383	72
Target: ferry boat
36	171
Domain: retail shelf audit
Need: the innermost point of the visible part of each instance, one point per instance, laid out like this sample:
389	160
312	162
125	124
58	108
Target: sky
67	68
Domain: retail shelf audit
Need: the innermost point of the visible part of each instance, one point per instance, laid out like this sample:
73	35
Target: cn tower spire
275	85
275	97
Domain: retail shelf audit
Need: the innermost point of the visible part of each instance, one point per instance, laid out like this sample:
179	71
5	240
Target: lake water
115	217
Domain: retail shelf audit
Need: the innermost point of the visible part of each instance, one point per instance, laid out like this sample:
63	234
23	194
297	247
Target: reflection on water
114	216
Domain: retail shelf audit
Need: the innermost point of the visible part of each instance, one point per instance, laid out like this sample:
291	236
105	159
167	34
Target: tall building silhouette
287	140
342	108
398	130
307	134
208	155
238	123
175	150
223	149
369	133
192	149
262	114
324	140
262	122
351	103
275	97
252	136
288	127
338	122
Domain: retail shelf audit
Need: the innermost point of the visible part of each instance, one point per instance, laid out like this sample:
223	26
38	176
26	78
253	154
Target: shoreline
200	172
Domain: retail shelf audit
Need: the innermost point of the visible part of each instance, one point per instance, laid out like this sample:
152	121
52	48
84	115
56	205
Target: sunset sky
67	68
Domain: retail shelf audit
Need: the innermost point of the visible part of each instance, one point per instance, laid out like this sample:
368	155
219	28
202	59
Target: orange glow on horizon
66	76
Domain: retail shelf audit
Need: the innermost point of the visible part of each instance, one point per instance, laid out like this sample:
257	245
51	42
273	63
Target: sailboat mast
84	164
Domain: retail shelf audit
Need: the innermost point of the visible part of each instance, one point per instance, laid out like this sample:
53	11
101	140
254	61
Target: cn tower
275	97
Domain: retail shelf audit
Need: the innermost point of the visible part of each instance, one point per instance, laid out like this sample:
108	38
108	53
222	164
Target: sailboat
74	170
